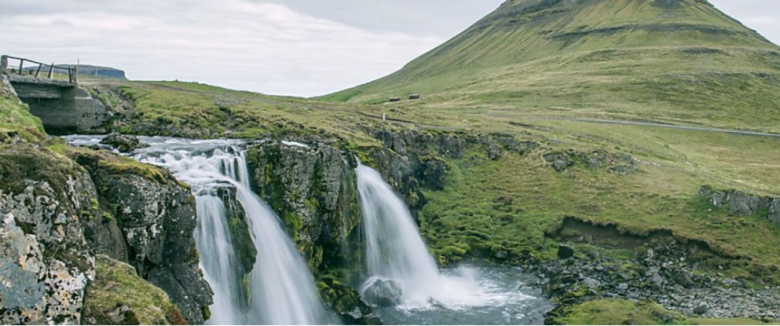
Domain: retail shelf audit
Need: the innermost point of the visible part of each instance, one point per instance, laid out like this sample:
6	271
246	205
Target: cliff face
45	264
58	212
313	191
149	223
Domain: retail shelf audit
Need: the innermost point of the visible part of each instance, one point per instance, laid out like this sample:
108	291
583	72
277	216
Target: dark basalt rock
619	163
433	173
744	204
123	143
560	161
150	223
382	293
313	190
565	251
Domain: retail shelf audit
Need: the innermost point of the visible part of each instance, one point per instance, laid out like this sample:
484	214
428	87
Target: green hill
679	61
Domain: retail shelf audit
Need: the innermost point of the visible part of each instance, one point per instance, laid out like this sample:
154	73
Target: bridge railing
11	65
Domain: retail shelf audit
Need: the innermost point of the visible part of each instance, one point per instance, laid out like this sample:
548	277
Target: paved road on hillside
661	125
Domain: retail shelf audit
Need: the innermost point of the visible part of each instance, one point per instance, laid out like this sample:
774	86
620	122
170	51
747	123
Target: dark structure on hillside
53	94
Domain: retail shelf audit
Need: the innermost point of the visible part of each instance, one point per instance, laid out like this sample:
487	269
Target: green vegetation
203	111
627	312
677	62
512	203
117	284
16	117
112	163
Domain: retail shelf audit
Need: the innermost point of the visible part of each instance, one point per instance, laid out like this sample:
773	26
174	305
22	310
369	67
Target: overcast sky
287	47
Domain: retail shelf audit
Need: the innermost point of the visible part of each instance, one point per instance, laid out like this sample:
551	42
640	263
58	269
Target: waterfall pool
494	295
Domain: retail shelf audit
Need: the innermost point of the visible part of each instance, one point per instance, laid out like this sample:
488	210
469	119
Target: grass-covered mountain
678	61
499	165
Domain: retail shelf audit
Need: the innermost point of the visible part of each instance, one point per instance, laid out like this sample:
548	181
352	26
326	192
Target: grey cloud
291	47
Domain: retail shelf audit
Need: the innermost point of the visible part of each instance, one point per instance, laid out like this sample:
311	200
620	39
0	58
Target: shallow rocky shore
664	274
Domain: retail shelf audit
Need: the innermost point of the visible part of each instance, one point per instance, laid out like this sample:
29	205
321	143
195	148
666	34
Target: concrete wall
64	109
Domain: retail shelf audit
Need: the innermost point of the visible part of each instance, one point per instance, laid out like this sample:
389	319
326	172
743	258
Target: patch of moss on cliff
23	162
15	118
116	284
111	162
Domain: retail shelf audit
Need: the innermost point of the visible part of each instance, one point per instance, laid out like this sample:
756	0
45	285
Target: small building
414	96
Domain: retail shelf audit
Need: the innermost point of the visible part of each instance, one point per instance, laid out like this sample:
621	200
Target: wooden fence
34	69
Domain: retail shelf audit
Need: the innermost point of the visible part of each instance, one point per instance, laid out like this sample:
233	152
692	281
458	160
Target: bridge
53	94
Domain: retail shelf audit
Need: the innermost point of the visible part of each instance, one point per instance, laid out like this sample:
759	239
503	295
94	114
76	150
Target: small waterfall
394	248
218	260
281	287
395	251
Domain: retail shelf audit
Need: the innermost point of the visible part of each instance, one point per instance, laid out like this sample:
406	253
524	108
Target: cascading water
281	287
396	252
394	248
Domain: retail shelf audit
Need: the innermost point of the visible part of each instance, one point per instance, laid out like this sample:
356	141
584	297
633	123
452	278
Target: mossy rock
119	296
629	312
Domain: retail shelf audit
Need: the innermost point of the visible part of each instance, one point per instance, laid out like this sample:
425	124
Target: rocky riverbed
664	273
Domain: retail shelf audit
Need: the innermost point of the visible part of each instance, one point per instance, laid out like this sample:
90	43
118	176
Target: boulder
774	211
382	293
565	251
741	203
123	143
434	172
560	161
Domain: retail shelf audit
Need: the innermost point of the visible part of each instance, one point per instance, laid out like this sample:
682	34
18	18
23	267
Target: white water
395	251
281	287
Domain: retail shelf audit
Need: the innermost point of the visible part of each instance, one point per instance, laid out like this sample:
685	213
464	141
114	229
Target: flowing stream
281	287
466	295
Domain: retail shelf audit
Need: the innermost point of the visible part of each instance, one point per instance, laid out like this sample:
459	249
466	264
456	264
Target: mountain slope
673	60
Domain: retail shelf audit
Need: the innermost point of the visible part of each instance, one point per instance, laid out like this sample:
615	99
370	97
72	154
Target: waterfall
395	251
281	287
394	248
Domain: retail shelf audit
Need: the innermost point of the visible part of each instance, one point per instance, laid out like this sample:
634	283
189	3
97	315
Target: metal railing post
21	66
74	75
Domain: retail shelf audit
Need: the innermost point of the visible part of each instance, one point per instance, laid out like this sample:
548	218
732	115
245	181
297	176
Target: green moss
15	117
115	284
627	312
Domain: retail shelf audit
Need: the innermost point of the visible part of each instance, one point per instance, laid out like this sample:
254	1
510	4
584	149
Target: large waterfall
281	288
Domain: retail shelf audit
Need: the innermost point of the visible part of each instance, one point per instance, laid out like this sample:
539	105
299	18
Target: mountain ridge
528	50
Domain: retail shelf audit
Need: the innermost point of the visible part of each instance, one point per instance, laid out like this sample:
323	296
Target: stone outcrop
118	296
150	219
745	204
58	211
314	192
45	264
240	238
617	163
412	159
123	143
